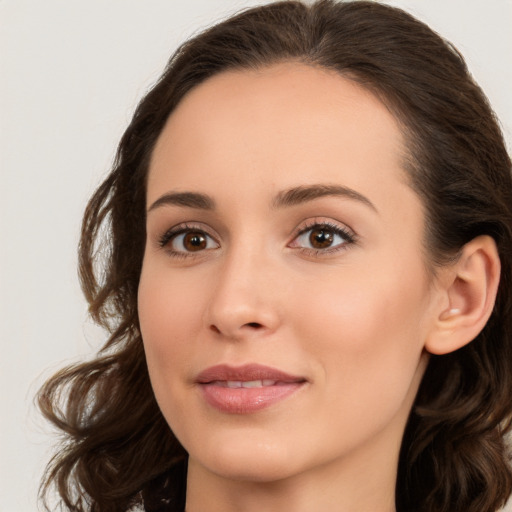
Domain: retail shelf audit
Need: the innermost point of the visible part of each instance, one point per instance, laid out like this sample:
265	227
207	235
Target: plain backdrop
71	73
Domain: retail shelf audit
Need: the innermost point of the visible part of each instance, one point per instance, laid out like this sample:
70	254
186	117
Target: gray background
71	72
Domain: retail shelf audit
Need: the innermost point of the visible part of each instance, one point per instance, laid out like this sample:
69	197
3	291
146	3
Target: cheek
353	304
366	332
169	321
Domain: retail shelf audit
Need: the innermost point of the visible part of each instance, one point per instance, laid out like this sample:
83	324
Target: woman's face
284	299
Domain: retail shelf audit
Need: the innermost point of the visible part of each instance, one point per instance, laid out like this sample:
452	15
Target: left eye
322	236
191	241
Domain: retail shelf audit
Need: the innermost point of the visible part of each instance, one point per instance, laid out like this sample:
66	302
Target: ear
468	290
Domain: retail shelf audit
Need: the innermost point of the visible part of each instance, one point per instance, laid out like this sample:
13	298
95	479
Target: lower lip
247	400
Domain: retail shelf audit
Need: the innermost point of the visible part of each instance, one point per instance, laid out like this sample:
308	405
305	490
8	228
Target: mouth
234	384
246	389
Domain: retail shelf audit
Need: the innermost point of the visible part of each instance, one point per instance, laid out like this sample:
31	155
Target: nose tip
243	302
241	308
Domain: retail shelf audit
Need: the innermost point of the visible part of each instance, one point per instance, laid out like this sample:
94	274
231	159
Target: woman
307	281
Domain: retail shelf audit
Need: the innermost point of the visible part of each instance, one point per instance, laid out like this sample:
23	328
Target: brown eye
194	241
188	241
321	238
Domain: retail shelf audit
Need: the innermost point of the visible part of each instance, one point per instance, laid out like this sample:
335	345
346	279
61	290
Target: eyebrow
302	194
284	199
186	199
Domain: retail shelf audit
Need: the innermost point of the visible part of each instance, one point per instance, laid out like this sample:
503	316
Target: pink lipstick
246	389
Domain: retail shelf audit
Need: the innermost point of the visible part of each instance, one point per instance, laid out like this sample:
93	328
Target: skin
353	320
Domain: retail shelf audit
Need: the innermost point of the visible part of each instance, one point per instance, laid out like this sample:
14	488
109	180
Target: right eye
184	241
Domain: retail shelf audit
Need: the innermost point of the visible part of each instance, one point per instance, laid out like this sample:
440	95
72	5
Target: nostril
248	325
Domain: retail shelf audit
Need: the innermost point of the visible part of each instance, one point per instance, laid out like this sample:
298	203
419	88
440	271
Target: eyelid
184	227
337	227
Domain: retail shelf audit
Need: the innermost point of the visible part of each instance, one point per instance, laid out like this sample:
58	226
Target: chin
254	462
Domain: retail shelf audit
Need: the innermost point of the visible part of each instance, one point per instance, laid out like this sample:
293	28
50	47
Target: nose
244	302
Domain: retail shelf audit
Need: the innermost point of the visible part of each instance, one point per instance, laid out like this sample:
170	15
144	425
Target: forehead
281	126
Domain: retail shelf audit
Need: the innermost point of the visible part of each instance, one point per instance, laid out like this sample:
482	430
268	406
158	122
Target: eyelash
181	229
348	236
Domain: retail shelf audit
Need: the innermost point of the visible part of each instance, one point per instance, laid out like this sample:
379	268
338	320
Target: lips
246	389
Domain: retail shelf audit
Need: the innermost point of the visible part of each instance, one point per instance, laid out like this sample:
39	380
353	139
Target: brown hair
119	450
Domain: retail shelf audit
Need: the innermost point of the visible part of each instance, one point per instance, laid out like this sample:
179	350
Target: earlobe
470	287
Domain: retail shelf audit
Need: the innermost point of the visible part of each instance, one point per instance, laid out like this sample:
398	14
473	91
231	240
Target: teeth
250	383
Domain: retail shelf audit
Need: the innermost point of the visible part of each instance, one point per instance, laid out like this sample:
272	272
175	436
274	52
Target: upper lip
245	373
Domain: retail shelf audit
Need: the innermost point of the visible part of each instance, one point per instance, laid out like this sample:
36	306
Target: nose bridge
243	300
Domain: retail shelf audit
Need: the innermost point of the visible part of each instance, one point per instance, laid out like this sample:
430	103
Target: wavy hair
118	450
